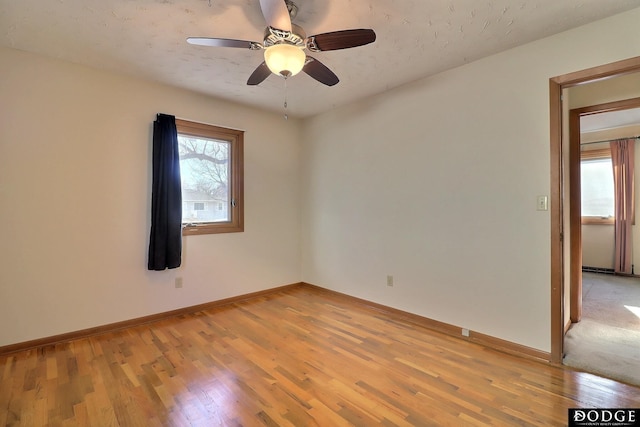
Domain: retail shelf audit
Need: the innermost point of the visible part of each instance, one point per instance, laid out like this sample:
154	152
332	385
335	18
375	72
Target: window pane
204	169
596	178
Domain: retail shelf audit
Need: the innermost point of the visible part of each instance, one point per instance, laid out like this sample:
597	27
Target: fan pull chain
286	116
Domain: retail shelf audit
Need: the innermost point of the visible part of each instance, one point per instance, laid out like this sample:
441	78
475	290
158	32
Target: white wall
435	183
75	149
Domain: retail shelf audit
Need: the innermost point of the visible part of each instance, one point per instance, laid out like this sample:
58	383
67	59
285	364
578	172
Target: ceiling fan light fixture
284	59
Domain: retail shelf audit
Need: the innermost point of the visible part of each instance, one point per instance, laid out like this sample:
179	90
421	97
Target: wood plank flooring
298	357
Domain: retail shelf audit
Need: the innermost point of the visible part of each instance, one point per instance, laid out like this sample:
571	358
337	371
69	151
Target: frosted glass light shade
284	59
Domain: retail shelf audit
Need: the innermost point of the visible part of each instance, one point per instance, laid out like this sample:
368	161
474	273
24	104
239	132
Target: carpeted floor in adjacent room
607	339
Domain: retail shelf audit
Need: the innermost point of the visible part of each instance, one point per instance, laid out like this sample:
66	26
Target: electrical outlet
178	282
389	280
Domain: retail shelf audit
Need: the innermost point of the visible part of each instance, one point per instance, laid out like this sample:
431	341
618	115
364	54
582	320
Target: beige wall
609	90
598	245
435	183
75	193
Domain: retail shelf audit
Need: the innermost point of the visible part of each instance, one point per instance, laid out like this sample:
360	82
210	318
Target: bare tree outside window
204	168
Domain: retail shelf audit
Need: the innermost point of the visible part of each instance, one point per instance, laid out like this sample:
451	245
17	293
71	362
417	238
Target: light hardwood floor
298	357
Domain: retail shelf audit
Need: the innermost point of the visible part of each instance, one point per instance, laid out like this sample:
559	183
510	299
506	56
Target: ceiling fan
284	44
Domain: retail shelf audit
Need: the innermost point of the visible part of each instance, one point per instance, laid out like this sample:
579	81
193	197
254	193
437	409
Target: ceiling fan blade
276	14
259	74
215	42
340	40
320	72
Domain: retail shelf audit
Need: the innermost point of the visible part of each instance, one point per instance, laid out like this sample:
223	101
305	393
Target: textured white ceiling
416	38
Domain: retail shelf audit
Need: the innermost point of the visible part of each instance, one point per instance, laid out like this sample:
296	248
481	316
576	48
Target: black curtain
165	242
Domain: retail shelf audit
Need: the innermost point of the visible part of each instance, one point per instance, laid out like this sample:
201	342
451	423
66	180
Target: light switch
543	203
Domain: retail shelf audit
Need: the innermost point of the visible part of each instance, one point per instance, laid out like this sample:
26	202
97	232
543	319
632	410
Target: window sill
594	220
212	228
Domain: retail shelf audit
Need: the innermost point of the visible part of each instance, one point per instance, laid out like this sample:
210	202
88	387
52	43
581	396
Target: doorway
560	200
604	326
576	220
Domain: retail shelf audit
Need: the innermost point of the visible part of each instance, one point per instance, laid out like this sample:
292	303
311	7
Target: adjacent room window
596	181
211	169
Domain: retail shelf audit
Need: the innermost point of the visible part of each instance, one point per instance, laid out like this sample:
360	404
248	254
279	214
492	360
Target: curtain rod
609	140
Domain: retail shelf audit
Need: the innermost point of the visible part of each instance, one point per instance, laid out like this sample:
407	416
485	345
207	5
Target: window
211	169
596	181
